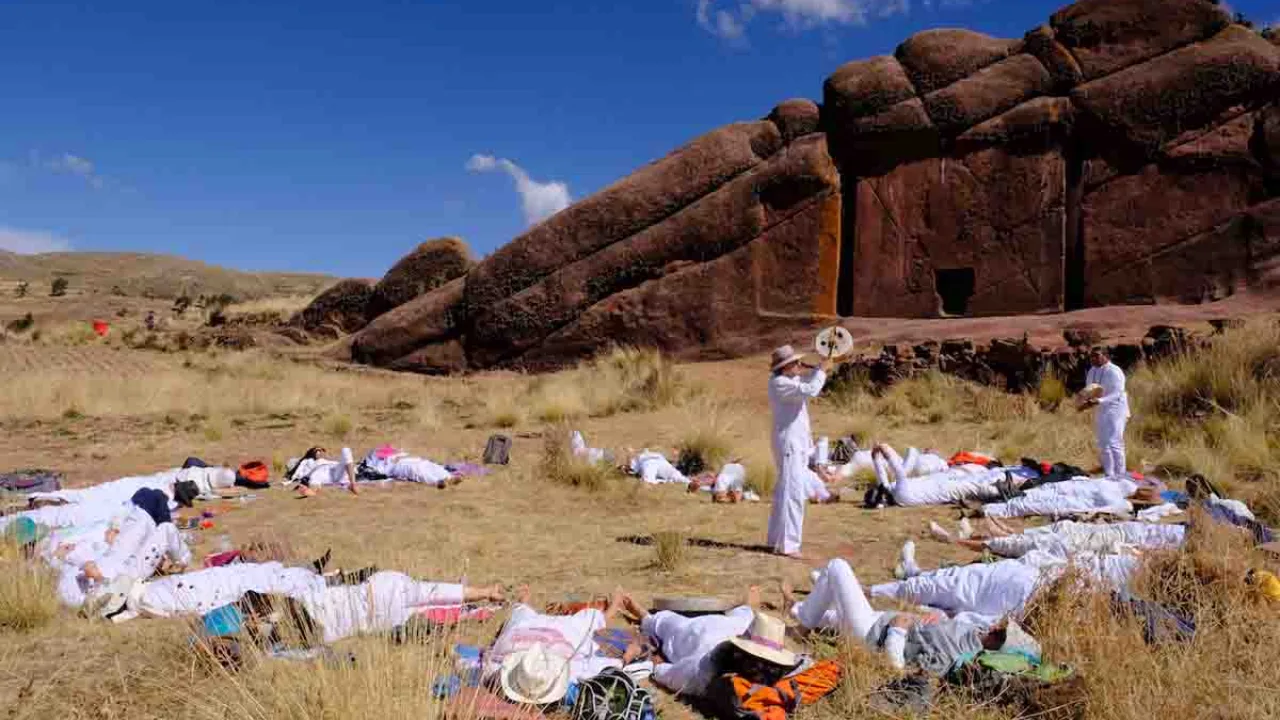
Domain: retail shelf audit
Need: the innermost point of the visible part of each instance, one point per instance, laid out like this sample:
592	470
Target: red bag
254	474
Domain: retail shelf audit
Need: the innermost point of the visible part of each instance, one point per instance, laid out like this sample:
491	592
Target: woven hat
784	356
764	640
534	676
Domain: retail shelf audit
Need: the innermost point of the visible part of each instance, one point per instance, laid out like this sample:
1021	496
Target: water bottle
824	451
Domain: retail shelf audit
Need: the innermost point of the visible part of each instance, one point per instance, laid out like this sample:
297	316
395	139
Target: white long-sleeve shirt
687	644
1114	398
789	402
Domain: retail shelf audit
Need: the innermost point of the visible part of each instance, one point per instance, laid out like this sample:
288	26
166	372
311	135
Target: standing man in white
1113	411
790	388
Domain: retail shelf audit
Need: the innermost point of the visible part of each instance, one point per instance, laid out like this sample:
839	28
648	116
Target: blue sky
333	136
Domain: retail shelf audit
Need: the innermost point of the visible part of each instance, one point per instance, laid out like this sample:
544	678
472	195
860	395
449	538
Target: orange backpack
736	698
254	474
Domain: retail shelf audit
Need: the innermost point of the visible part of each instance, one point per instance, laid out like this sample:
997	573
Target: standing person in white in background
1113	411
790	387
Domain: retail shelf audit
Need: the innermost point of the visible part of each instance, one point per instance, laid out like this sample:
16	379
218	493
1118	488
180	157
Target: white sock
966	530
909	567
939	533
895	645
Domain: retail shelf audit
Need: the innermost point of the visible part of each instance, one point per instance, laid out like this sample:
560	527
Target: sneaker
909	566
940	533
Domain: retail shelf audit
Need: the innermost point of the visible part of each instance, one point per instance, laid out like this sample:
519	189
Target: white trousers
1109	429
837	601
1073	497
992	590
419	470
786	520
1068	538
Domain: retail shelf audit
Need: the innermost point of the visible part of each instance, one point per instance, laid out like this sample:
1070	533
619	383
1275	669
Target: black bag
31	481
842	453
498	450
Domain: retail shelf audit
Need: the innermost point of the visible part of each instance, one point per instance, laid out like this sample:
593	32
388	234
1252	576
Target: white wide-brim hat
534	676
1092	391
784	356
764	640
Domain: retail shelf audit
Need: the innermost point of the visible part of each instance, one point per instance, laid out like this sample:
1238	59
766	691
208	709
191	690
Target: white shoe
966	529
909	567
940	533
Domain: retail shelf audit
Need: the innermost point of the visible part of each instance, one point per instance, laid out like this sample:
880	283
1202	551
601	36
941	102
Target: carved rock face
1128	151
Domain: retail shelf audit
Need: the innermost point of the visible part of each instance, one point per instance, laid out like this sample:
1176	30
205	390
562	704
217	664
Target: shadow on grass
647	541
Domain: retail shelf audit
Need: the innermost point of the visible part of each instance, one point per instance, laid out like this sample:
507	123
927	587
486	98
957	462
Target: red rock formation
430	265
1128	151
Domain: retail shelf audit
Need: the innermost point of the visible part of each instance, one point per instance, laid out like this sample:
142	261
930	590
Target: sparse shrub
1051	391
671	549
58	287
762	476
27	595
180	305
705	444
21	290
561	466
338	426
22	324
213	433
72	413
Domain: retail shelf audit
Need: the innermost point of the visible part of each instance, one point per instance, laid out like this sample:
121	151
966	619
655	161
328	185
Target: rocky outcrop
430	265
343	308
1126	151
1011	364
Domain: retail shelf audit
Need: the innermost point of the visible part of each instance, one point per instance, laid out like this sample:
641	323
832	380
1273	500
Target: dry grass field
102	412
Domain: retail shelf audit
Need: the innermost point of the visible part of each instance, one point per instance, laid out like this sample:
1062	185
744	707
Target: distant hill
151	275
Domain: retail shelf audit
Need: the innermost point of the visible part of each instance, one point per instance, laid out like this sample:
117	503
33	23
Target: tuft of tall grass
28	598
707	437
561	466
671	549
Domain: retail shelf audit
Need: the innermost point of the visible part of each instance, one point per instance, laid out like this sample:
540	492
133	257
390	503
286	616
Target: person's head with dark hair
1099	356
154	503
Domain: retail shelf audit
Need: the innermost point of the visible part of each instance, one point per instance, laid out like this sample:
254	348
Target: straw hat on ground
764	640
784	356
534	676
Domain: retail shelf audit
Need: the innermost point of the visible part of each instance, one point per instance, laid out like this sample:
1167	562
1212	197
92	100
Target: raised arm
794	388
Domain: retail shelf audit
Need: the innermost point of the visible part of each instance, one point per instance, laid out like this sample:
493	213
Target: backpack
1014	680
612	695
31	481
498	450
842	453
733	697
254	475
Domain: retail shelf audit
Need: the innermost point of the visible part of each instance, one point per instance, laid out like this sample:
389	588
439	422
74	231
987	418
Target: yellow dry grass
525	523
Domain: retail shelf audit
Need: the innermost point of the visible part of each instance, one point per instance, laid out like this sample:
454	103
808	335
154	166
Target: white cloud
731	23
538	200
81	167
30	242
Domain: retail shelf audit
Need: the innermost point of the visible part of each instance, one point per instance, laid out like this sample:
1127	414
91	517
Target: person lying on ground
816	481
387	462
145	539
653	468
1072	497
727	486
691	647
382	601
957	484
1066	538
567	641
313	471
1000	588
930	641
105	501
578	447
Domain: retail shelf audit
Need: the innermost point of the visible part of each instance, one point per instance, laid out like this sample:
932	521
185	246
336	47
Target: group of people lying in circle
119	555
